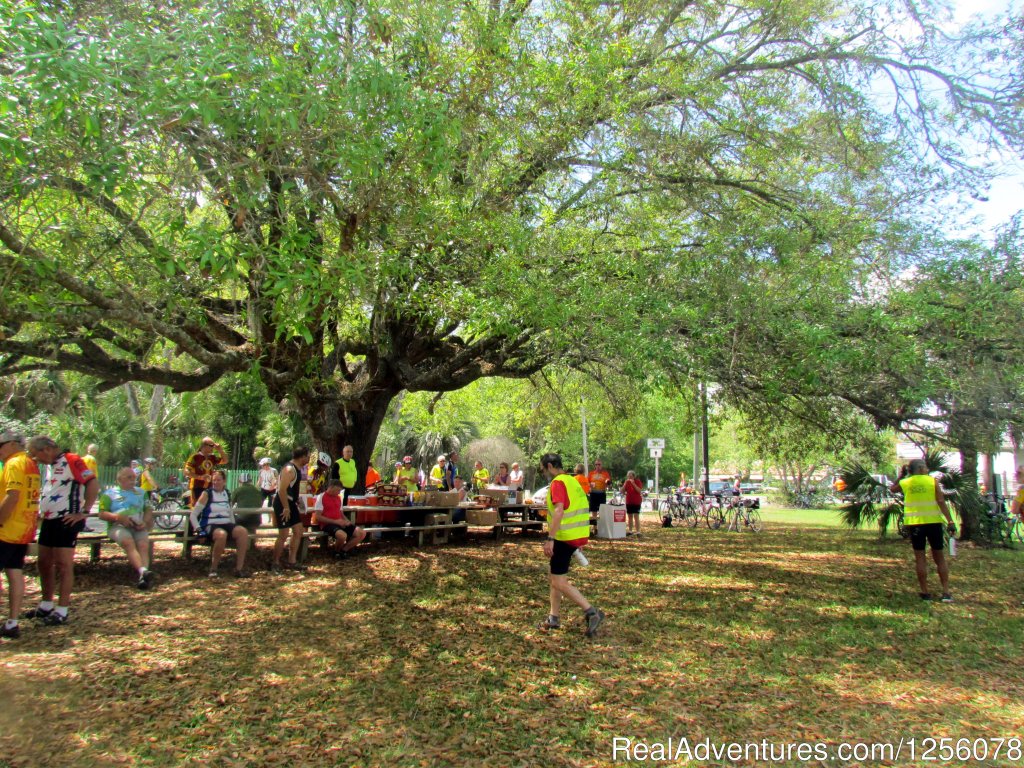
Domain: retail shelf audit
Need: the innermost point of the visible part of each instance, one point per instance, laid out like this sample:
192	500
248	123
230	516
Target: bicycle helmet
150	460
323	459
265	460
407	460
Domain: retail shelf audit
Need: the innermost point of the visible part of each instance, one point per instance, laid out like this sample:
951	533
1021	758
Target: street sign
655	453
656	442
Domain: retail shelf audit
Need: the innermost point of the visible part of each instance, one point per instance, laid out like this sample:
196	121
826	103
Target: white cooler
611	522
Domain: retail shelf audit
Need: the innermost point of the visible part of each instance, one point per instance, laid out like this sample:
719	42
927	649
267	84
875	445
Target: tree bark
970	525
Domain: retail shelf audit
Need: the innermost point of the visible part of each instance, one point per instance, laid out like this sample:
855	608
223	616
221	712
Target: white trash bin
611	522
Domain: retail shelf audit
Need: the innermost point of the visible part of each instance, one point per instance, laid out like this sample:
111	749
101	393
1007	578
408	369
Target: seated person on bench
129	518
248	496
342	533
214	521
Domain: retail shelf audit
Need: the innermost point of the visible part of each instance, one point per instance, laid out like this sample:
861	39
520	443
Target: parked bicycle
1001	527
748	514
172	507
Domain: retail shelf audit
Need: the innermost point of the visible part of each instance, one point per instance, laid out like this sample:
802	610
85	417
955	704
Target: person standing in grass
1017	505
633	490
129	517
68	494
924	513
287	512
19	510
568	530
599	478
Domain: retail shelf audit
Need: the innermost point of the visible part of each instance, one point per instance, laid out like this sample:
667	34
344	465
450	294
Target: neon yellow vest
347	472
919	505
407	476
576	517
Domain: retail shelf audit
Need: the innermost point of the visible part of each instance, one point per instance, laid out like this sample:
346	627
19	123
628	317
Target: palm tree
873	502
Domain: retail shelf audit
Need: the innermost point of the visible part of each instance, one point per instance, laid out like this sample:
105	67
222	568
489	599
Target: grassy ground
429	657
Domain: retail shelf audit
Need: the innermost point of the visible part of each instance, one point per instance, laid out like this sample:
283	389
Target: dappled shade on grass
407	656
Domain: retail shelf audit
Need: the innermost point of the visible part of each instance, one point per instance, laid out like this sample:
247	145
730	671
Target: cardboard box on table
443	499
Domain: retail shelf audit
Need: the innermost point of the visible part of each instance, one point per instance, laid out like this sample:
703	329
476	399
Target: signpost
656	445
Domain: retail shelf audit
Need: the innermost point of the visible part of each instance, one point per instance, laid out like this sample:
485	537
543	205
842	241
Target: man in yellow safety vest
924	513
568	530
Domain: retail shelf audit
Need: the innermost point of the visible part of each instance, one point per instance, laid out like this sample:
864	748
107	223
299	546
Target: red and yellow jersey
20	474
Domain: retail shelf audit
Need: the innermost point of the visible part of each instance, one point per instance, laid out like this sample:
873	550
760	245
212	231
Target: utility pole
583	418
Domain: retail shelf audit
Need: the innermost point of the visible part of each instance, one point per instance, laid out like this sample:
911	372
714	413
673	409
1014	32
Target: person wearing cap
267	480
405	474
19	511
247	496
200	465
147	482
68	494
318	472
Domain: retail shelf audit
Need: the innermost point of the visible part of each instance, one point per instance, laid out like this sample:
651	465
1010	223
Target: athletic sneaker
924	596
54	619
947	598
275	567
145	580
36	613
594	620
243	574
10	632
213	575
547	625
296	567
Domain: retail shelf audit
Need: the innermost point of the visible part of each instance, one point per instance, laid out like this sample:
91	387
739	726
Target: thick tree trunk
969	522
334	424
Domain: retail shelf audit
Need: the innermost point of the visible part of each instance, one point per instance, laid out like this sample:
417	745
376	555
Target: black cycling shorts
930	532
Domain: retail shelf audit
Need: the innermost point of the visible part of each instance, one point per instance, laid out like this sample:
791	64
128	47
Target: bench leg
303	550
94	552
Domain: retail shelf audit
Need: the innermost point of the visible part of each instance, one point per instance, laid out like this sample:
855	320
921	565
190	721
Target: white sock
10	624
62	610
46	605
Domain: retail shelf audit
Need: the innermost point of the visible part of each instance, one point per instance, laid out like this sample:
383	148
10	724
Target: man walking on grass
568	530
924	513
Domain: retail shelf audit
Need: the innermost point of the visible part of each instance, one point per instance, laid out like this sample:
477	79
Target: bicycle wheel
692	517
169	522
1017	532
753	520
715	518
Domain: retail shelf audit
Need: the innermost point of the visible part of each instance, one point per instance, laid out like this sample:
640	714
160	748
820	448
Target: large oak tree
359	198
